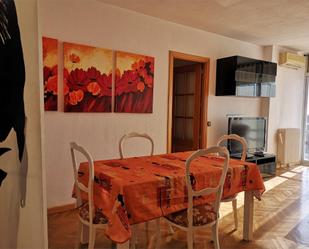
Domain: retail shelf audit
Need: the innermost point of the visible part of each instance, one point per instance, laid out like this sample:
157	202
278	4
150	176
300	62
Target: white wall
286	110
93	23
26	227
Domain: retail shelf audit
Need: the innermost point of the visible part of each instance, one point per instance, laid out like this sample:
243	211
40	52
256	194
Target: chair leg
146	226
171	229
147	230
114	245
158	233
79	236
215	235
133	240
234	204
92	233
84	237
125	245
190	238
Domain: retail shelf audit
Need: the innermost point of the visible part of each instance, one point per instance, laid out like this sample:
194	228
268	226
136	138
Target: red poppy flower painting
134	83
50	67
87	78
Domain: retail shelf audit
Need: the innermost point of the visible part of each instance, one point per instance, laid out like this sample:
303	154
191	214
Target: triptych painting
88	76
133	83
50	72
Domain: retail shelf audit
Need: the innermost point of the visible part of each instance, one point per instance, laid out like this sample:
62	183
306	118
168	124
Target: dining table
139	189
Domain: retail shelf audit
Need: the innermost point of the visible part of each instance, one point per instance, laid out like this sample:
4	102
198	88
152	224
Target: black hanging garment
12	76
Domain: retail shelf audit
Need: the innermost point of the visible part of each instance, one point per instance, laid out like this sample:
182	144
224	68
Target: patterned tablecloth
139	189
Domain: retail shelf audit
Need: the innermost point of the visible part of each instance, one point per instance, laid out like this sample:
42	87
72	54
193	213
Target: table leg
248	216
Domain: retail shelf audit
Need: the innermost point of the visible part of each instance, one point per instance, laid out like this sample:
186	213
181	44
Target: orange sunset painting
134	83
50	67
87	78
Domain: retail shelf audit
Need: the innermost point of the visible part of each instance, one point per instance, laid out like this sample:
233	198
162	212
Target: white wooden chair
196	217
121	153
88	215
243	142
134	135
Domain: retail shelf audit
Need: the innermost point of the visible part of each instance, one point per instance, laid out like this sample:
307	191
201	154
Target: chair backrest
78	185
237	138
131	135
221	151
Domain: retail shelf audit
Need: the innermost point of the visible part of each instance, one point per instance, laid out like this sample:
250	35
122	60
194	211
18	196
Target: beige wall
25	227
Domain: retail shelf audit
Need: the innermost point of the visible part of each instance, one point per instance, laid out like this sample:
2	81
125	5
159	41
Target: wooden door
186	133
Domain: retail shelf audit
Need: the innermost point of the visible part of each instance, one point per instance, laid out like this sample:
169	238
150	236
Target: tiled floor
281	221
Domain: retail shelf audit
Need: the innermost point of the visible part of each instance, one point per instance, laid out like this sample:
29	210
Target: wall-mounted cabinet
241	76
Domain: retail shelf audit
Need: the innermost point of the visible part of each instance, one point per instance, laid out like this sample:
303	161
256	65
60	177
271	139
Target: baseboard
281	165
60	209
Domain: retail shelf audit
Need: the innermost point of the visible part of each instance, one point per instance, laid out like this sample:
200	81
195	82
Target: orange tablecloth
138	189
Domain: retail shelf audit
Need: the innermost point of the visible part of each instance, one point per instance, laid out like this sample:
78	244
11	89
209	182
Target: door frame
204	95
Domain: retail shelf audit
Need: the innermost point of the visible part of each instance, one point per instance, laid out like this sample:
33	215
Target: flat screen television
253	129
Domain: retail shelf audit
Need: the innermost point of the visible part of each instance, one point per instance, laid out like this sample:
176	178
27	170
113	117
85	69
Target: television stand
265	162
259	153
238	156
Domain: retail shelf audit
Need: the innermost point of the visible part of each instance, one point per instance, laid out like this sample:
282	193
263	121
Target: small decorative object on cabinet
241	76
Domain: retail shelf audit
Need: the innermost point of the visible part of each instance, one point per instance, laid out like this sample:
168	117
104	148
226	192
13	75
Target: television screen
253	129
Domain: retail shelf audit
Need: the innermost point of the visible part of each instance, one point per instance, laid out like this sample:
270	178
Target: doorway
188	99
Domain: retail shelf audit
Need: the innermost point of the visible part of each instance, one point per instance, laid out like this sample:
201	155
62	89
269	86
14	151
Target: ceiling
263	22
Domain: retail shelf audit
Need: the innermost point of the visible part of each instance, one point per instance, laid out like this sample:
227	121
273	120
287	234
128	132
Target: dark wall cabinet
241	76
